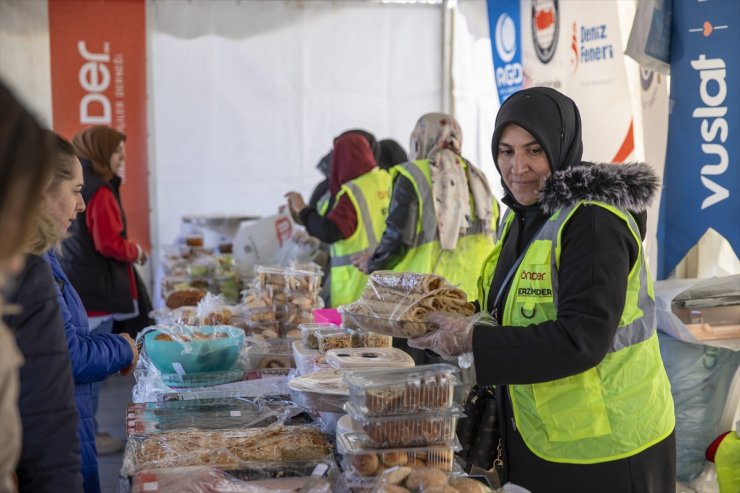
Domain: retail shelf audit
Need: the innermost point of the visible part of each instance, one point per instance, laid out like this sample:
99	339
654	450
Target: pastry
397	475
185	297
391	459
468	485
365	464
426	477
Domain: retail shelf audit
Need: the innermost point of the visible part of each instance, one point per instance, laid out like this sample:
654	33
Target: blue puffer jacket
93	359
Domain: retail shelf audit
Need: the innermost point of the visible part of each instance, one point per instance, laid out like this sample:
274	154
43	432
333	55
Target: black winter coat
50	458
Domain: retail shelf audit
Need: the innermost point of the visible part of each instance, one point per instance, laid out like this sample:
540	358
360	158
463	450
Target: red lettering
532	276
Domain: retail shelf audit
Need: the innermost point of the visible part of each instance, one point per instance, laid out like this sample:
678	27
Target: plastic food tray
361	459
396	328
405	390
271	354
408	430
368	358
337	339
304	280
268	275
309	331
364	338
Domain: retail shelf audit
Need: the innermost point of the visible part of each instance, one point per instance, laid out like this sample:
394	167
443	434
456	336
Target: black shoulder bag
478	431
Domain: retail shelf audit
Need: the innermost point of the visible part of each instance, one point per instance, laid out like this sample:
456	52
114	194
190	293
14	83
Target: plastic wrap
255	448
321	391
183	349
211	414
405	390
408	430
153	386
361	459
397	304
425	479
700	378
700	311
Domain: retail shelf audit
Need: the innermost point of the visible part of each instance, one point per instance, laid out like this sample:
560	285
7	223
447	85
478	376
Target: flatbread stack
397	304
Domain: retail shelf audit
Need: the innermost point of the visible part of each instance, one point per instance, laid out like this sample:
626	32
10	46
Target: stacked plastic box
408	417
279	299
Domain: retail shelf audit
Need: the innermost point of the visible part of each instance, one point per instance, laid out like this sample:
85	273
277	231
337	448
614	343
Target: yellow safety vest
618	408
322	205
370	195
460	266
727	462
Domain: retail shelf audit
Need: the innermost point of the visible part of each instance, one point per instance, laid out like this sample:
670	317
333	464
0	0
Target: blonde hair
47	234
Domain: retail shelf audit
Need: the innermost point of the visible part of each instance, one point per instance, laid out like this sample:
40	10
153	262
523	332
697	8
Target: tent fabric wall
247	96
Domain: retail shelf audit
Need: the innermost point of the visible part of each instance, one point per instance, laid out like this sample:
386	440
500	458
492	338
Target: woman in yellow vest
583	396
442	216
356	220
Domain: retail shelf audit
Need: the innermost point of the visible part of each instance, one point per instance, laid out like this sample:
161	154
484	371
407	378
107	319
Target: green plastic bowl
197	356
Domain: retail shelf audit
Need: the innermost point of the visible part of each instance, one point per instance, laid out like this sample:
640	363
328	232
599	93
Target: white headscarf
438	138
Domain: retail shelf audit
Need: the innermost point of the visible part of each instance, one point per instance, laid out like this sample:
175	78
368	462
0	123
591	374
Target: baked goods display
271	354
408	430
211	480
405	479
361	459
229	448
309	331
403	390
185	297
339	338
363	339
397	304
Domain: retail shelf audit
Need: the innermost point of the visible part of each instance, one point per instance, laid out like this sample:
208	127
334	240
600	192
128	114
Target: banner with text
98	77
504	21
700	187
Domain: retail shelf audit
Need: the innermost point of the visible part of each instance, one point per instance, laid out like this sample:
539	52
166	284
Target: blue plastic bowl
197	356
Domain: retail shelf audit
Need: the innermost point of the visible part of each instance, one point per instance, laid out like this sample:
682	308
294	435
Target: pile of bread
404	297
426	480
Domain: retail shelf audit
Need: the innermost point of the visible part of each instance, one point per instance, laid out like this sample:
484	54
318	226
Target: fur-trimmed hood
629	187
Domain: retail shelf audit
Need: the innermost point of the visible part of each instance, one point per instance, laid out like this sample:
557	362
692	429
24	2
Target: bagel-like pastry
397	476
365	464
391	459
424	478
468	485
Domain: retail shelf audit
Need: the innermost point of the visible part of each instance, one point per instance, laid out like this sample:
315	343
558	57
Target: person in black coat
50	456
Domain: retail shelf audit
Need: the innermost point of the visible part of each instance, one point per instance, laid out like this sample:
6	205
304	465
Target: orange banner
98	77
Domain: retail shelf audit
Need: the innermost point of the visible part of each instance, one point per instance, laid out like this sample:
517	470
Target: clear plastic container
266	330
368	358
406	390
305	266
271	275
365	339
362	459
309	331
257	297
260	315
274	353
304	280
408	430
333	340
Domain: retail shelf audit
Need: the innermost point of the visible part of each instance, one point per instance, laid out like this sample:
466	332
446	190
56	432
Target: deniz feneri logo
590	44
545	28
505	40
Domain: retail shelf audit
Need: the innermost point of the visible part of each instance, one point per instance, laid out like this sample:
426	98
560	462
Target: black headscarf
553	120
391	154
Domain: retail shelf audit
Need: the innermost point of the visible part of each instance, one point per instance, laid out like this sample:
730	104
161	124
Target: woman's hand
295	202
453	338
361	260
130	368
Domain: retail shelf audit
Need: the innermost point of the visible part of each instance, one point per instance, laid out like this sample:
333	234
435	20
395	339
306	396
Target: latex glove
360	260
453	338
135	360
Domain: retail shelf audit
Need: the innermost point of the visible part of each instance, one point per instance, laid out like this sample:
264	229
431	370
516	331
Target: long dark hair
25	171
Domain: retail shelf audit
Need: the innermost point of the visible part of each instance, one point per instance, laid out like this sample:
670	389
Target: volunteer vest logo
534	285
545	28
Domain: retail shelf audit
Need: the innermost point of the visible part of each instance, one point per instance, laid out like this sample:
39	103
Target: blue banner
702	170
504	21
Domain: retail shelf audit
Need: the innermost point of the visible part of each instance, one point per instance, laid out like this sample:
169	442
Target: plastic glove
454	336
